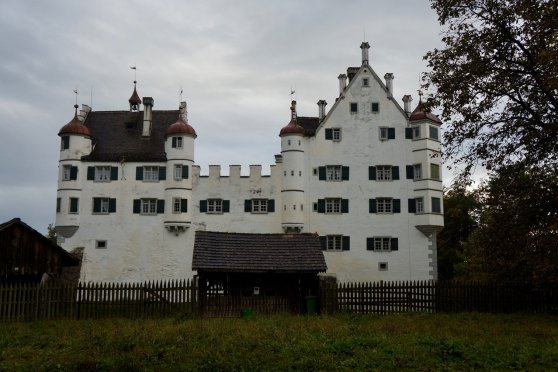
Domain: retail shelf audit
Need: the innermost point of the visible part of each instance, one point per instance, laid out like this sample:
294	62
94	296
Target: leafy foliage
51	233
496	81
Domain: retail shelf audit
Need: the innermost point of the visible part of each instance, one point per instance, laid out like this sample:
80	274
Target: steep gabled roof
257	253
310	124
117	136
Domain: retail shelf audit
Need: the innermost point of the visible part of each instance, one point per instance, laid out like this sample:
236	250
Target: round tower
75	142
179	146
292	190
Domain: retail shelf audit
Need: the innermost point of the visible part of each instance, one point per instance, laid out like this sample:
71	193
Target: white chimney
321	109
389	84
407	103
342	83
147	116
364	46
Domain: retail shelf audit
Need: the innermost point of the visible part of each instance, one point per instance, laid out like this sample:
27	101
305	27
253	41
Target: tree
51	234
517	236
496	81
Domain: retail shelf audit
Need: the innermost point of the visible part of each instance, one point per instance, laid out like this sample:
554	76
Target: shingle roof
259	253
310	124
117	135
419	113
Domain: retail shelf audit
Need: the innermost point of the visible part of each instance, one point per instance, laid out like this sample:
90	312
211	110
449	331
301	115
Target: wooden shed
26	254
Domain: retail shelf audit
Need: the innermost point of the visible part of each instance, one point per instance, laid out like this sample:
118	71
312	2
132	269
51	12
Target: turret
293	185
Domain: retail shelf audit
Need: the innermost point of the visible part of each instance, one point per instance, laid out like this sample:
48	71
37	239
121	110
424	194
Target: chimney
407	103
389	84
183	113
364	46
342	83
321	109
147	116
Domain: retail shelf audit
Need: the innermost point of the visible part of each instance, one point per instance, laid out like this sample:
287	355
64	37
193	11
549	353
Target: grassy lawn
418	342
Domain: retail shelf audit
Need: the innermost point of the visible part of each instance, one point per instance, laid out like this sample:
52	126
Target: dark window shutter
391	133
248	205
329	134
173	142
408	133
96	205
394	244
73	173
369	244
160	206
323	242
372	206
372	173
90	173
345	173
114	173
162	173
183	205
65	142
412	206
344	205
203	206
322	173
346	243
321	205
410	172
396	205
271	205
226	206
137	205
184	171
395	173
112	205
139	173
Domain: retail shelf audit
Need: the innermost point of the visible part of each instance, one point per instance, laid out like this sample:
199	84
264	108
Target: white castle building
365	176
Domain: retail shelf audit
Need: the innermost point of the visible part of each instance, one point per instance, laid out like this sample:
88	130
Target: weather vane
180	95
292	94
134	68
76	93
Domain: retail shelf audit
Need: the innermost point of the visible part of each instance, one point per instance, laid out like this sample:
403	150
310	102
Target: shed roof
257	253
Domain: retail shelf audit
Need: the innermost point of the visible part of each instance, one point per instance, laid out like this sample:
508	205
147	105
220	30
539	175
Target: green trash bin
311	305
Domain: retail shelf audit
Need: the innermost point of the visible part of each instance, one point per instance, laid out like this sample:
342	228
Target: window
384	205
419	205
100	244
151	173
74	205
332	205
383	173
333	173
365	82
289	142
104	205
433	132
148	206
383	133
177	172
382	266
336	134
214	206
416	132
436	205
417	171
65	143
176	205
177	142
435	171
334	243
58	202
375	107
259	205
354	107
102	174
382	244
69	173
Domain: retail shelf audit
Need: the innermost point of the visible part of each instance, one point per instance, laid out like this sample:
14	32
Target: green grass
418	342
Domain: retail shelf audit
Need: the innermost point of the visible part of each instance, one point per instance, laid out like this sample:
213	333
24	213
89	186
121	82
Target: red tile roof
421	114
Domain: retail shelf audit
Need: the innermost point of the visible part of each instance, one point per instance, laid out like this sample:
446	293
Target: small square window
365	82
315	171
375	107
382	266
354	107
259	205
315	207
101	244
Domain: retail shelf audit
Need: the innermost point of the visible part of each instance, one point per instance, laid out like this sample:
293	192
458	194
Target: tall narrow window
417	171
66	172
384	133
419	205
58	202
375	107
336	133
416	132
436	205
435	171
433	132
177	172
74	205
354	107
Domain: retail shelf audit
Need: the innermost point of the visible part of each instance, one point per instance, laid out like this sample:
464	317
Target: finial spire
293	110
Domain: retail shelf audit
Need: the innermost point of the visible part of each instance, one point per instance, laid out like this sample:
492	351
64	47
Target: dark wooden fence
21	302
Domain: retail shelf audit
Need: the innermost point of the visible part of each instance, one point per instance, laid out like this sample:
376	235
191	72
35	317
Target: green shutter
137	205
184	172
346	243
322	173
344	205
173	142
270	205
394	244
329	134
162	173
90	173
372	173
112	205
323	242
183	205
396	205
247	205
372	205
160	206
321	205
74	205
369	244
65	142
203	206
226	206
391	133
96	205
114	173
139	174
345	173
408	133
395	173
410	172
73	173
412	206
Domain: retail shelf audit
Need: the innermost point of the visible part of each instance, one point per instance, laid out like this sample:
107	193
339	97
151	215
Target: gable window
436	205
74	205
354	107
433	132
177	142
375	107
365	82
435	171
416	132
382	244
65	143
102	174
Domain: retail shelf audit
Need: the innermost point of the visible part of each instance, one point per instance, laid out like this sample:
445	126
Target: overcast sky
236	62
